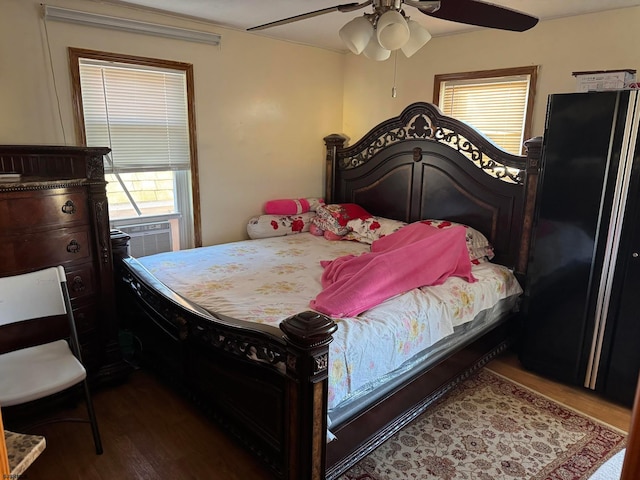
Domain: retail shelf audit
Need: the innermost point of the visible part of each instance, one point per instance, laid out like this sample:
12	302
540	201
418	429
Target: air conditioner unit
148	238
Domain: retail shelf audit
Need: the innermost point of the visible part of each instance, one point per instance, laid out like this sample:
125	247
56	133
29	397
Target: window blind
496	107
141	113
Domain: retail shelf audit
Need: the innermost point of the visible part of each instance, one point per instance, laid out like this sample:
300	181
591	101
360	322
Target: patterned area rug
490	428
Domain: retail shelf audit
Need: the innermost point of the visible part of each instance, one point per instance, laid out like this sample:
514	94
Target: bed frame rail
265	386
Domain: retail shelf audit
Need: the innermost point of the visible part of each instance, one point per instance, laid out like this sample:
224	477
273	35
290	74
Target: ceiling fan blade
427	6
347	7
474	12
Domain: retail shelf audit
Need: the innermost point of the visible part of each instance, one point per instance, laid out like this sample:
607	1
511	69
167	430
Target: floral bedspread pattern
270	279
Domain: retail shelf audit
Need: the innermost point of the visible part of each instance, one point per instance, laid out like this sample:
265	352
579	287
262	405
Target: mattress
270	279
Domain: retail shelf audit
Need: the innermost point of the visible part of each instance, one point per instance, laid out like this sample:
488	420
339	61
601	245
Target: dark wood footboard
266	386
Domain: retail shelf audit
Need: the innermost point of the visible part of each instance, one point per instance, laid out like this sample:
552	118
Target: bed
267	381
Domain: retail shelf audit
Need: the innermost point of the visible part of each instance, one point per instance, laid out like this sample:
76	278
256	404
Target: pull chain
394	92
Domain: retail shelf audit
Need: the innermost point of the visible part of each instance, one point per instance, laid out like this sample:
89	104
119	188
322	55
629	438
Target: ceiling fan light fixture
356	34
374	50
392	30
418	38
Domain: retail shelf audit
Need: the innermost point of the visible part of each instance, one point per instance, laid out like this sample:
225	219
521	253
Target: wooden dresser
57	214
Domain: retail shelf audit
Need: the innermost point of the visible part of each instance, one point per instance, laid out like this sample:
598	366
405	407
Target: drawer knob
77	285
73	247
69	207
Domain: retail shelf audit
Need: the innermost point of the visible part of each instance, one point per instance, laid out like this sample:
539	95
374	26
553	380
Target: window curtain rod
128	25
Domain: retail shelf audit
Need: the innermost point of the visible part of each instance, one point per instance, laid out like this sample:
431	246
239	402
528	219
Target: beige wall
262	106
600	41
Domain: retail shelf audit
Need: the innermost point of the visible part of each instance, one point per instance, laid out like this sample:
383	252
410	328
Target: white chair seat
36	372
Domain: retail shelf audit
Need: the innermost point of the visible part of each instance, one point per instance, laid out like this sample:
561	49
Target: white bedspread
270	279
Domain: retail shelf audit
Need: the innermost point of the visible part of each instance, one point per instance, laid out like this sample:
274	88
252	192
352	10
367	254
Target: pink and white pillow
335	217
292	206
368	230
328	235
265	226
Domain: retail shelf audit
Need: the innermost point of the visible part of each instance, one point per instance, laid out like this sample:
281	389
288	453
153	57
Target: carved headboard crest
425	121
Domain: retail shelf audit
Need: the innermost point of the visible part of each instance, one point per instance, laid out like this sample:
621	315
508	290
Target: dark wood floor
149	432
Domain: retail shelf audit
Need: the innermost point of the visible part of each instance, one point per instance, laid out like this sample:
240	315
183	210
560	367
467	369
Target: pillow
265	226
315	230
329	235
477	244
368	230
292	206
334	217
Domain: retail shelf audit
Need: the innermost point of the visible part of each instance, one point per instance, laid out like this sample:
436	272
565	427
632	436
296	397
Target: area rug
490	428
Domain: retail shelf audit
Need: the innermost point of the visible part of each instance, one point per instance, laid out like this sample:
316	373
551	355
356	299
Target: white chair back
32	295
38	371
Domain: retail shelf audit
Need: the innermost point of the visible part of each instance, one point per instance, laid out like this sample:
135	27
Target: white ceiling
322	31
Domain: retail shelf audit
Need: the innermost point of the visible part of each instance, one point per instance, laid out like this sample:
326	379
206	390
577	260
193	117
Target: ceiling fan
377	33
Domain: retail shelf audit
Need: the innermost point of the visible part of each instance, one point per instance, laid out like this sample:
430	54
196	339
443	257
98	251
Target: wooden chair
38	371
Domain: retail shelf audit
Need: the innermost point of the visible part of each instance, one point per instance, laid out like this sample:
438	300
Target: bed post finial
120	245
308	335
533	147
332	142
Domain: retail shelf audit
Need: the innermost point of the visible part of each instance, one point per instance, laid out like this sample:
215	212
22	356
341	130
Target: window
143	110
499	103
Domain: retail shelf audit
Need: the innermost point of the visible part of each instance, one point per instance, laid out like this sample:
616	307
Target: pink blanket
414	256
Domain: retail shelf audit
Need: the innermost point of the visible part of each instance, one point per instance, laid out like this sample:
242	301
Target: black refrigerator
581	308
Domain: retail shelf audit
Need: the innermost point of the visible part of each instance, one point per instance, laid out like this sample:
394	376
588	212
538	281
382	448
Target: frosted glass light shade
419	37
356	34
374	51
392	30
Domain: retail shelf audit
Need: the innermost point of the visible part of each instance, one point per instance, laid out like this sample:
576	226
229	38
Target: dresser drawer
23	253
42	209
86	317
90	351
31	332
80	281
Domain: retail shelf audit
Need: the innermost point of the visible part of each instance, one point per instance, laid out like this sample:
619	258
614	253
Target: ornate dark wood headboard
433	166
